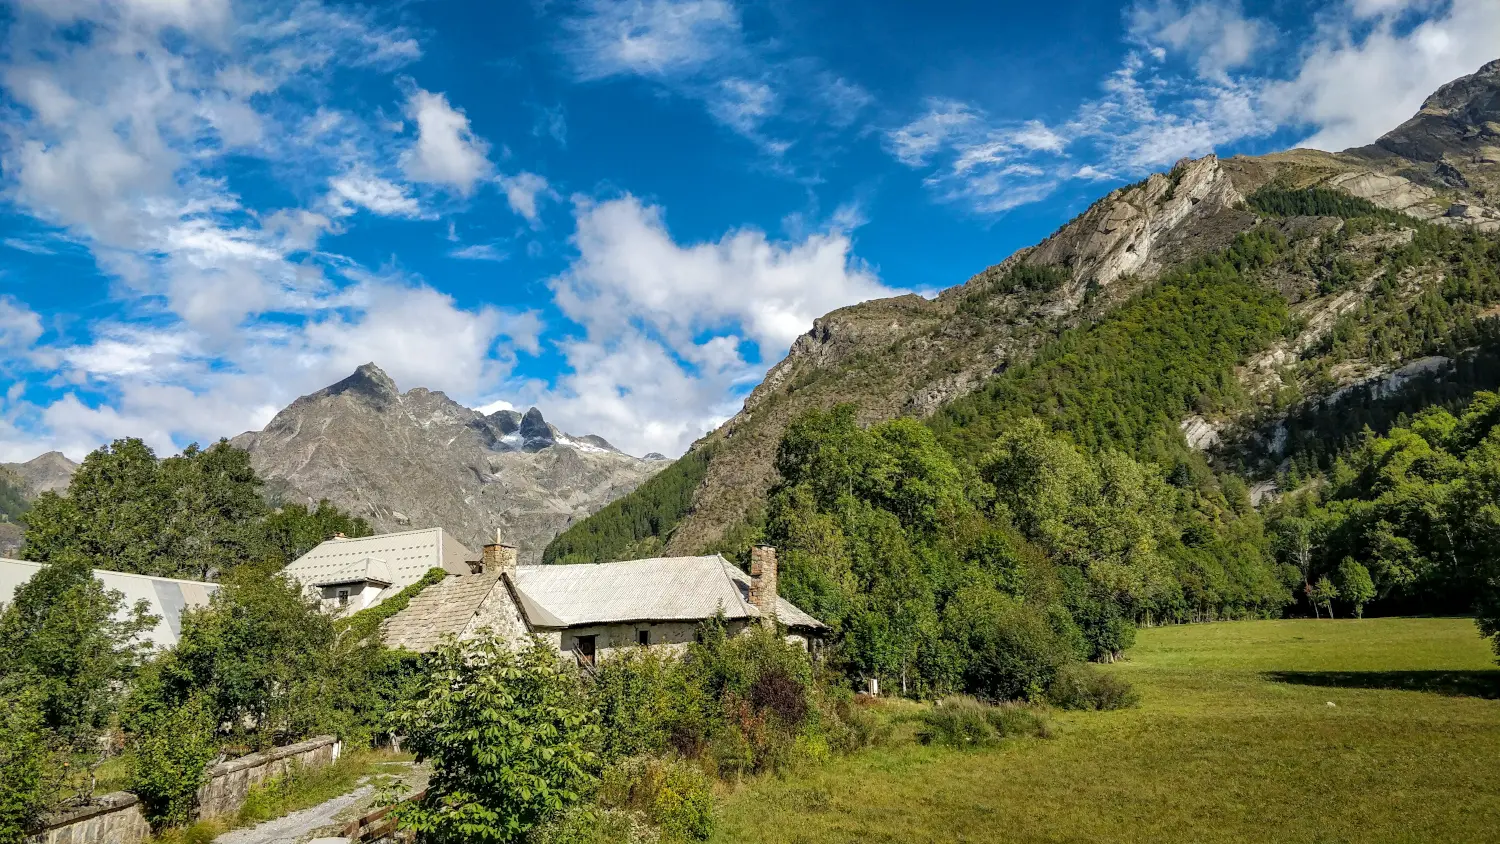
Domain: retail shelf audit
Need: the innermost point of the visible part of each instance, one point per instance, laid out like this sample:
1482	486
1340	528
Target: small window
643	637
586	648
343	597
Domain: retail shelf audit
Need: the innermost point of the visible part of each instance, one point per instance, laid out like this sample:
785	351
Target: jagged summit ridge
419	458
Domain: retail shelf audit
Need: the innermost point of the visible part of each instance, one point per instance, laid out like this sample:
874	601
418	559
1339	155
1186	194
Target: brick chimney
499	557
763	582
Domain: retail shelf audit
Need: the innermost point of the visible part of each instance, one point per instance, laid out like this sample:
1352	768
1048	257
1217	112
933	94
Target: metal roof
656	589
403	557
368	570
166	597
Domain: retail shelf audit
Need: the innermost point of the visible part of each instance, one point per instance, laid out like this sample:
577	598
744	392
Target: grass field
1235	740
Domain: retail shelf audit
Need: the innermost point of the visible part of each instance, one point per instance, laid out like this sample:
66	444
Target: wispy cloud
480	252
227	308
32	246
1195	79
524	191
701	50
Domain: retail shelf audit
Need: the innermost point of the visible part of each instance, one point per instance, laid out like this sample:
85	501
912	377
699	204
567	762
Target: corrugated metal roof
406	556
166	597
368	570
656	589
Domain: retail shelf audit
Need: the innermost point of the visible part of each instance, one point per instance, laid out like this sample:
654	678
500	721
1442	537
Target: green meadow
1286	731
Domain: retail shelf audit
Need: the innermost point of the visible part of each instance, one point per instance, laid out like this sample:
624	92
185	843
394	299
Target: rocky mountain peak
48	472
421	459
369	382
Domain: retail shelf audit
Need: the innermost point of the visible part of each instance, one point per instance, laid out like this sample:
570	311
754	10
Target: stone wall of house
228	783
112	819
611	639
499	614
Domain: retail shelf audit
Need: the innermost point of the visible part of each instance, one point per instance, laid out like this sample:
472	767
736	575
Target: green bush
675	796
963	722
595	825
27	770
510	739
1082	686
167	758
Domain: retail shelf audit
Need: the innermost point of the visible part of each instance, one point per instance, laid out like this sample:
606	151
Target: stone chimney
763	582
499	557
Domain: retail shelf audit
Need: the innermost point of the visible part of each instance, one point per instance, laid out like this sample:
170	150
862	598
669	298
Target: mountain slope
418	458
909	356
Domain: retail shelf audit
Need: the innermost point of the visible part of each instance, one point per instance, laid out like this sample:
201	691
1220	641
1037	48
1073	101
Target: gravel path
298	826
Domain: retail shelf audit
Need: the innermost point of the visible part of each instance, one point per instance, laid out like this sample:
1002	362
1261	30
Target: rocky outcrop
1138	230
419	459
50	472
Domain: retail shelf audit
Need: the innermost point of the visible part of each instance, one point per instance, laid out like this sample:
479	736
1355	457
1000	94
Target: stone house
592	610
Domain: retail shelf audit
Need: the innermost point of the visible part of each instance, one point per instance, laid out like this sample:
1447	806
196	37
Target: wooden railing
379	825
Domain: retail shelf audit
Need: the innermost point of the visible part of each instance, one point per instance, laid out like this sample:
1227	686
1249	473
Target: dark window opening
343	597
643	637
586	649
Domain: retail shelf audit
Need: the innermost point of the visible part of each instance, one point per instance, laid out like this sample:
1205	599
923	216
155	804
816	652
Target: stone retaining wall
112	819
229	783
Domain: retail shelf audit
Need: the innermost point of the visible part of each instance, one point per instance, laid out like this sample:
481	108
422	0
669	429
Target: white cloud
698	49
1356	89
522	192
479	252
365	190
25	245
664	323
649	37
1215	32
447	152
20	328
1362	68
743	105
224	310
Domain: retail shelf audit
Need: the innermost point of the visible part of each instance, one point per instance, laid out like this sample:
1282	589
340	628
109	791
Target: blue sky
622	212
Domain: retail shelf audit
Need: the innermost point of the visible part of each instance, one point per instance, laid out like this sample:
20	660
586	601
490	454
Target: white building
165	597
349	575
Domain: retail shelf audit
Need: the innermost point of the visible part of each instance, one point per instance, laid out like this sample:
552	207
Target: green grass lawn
1234	740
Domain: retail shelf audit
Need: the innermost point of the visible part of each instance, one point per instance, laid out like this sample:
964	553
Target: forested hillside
1390	258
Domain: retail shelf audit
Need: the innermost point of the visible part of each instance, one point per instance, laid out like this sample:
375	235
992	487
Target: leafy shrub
595	825
510	738
166	760
1010	650
676	796
27	779
1082	686
962	722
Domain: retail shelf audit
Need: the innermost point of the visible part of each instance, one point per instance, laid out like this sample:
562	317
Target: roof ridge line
734	585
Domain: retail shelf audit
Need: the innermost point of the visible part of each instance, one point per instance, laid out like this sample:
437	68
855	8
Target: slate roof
440	609
406	556
166	597
656	589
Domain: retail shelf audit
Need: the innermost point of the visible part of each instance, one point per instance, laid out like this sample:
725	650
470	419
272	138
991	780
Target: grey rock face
50	472
420	459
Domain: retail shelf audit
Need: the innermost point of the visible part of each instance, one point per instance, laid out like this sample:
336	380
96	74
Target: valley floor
1286	731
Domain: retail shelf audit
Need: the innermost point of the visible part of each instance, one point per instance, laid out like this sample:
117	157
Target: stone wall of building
229	783
111	819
